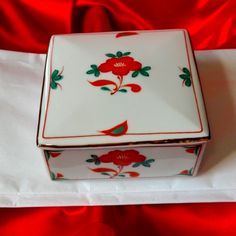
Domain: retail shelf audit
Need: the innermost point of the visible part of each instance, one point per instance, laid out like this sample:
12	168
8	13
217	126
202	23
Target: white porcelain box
122	104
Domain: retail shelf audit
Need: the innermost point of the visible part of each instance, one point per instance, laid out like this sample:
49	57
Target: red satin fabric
187	219
26	25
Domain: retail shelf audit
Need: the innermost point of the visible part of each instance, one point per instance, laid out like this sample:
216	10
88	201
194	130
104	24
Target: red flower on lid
120	66
122	158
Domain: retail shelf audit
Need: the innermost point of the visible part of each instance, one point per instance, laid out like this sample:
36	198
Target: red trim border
131	134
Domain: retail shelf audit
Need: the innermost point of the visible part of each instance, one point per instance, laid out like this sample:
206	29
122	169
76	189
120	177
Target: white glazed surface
163	109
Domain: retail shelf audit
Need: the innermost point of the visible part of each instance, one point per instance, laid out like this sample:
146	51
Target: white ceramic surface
119	87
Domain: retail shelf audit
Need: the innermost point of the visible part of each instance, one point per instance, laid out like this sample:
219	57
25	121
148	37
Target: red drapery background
26	25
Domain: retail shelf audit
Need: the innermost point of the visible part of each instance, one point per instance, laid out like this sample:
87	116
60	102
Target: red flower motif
122	158
120	66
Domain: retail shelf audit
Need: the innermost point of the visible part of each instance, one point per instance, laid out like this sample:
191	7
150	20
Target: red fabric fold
26	25
174	219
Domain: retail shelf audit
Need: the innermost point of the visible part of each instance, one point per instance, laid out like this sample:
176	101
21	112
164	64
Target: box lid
119	88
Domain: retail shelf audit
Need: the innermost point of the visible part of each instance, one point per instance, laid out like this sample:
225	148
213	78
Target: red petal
103	170
190	150
121	71
118	130
134	87
102	82
60	175
131	173
184	172
105	67
123	34
55	154
135	65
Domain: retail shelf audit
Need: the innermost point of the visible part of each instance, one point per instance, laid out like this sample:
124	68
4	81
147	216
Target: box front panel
124	162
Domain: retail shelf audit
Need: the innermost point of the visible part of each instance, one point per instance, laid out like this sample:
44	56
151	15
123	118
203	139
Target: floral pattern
120	159
186	77
118	130
119	64
55	77
193	149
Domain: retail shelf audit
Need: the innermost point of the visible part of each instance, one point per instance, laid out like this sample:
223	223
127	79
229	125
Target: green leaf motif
53	176
150	161
144	73
184	76
110	55
58	77
122	175
94	67
118	130
90	72
54	74
119	54
186	71
135	74
146	68
104	173
53	84
126	53
97	162
105	89
123	90
94	156
146	164
90	160
96	73
188	83
136	165
47	155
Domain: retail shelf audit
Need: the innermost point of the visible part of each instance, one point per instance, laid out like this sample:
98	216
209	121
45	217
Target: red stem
120	168
120	78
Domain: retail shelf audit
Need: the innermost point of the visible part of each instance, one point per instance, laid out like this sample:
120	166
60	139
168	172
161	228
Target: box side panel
124	162
199	159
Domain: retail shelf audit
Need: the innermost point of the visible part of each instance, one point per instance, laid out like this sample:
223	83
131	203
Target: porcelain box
122	105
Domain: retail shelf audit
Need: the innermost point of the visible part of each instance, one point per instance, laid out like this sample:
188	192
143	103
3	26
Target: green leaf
94	66
94	156
146	68
136	165
104	173
144	73
47	155
105	89
52	175
96	73
146	164
90	72
54	74
110	55
97	162
188	82
135	73
118	130
58	77
90	160
119	54
150	161
122	175
123	90
186	71
53	84
126	53
184	76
